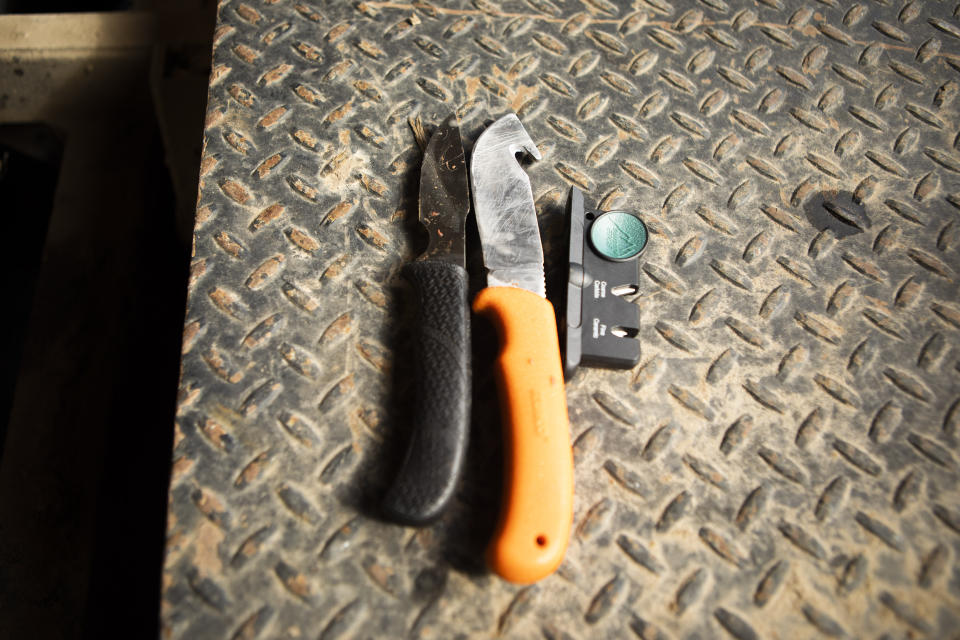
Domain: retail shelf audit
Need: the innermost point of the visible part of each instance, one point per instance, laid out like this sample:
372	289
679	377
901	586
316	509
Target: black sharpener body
600	326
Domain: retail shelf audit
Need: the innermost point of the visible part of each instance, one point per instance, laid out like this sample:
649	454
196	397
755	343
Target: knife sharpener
601	327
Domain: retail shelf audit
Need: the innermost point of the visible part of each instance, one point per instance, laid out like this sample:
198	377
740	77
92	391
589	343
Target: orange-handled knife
534	527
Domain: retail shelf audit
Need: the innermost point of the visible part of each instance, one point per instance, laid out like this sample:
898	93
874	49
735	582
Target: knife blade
537	509
429	472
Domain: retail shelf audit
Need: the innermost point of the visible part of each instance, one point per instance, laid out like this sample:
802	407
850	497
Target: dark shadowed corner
100	129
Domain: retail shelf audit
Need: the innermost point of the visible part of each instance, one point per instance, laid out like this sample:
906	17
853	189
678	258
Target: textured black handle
438	442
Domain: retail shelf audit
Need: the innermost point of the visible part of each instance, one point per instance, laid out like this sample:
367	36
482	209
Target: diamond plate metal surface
782	463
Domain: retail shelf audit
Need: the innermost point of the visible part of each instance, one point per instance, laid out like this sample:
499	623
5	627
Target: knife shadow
379	466
469	524
554	236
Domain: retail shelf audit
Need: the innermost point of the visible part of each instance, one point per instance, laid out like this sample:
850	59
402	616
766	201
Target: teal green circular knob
618	235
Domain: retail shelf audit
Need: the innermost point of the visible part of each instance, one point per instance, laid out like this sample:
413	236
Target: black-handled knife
428	475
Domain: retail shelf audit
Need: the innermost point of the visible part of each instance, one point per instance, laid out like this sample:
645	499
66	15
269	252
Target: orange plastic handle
537	510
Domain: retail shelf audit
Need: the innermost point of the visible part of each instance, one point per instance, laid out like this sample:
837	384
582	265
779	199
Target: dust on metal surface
783	461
